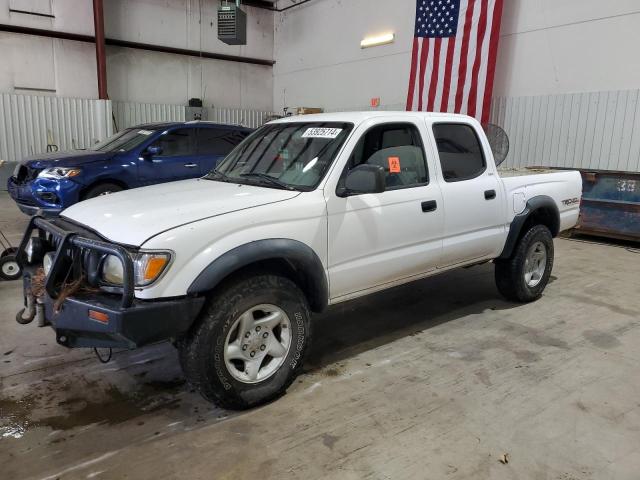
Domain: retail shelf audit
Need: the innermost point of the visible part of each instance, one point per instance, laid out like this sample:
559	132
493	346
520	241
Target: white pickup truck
306	212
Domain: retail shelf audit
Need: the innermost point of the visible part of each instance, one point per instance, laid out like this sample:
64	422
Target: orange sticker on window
394	164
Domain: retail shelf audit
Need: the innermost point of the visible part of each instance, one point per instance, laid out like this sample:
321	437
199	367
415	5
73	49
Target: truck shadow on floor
349	328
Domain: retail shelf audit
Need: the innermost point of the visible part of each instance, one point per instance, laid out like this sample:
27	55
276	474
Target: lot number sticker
321	133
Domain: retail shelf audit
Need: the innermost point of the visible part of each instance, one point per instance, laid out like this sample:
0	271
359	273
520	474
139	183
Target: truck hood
133	216
75	158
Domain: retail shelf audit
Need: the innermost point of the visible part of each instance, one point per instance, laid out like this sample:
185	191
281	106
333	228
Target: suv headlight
59	172
147	268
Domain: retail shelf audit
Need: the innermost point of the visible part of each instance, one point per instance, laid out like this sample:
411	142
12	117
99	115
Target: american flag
454	56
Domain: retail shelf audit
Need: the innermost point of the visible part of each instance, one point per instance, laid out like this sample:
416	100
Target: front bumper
97	318
44	196
142	323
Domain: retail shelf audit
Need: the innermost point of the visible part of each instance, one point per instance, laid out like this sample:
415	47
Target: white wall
546	47
68	68
53	66
319	61
152	77
568	46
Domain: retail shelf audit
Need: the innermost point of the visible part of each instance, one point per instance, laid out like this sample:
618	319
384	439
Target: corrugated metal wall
28	123
584	130
598	130
128	114
237	116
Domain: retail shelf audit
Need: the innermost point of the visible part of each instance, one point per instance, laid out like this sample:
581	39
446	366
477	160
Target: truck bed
521	171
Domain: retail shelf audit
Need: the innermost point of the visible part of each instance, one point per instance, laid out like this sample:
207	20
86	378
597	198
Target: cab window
461	155
397	148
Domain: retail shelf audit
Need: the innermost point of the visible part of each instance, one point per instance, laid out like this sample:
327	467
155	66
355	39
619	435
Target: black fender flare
534	204
304	261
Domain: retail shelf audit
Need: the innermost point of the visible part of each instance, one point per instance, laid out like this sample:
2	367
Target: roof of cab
359	117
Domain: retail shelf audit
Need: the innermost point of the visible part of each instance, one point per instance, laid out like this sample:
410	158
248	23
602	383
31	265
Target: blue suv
135	157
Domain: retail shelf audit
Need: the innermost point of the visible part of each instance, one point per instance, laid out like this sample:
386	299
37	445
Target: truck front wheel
249	342
523	276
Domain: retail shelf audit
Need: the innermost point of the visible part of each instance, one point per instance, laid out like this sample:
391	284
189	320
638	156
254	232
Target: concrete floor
438	379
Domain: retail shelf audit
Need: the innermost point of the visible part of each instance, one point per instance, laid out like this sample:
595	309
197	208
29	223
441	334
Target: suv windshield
123	141
285	155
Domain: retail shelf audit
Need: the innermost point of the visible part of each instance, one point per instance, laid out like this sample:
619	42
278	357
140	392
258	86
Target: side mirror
153	150
365	179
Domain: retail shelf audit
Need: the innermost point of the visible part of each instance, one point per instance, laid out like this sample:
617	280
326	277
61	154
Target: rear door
177	160
472	196
215	143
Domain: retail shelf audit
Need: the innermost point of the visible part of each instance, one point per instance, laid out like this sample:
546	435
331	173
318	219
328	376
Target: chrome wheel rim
535	264
10	268
257	343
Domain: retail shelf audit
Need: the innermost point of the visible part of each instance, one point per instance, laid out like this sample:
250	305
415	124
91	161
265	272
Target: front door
378	239
177	158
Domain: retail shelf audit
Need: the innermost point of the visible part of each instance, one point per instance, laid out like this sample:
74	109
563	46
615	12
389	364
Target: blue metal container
610	204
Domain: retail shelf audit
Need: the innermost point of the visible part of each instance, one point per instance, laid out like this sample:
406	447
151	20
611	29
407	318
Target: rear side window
218	141
181	141
461	155
397	148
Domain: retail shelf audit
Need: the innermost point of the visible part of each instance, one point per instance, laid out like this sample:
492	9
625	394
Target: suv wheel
524	276
249	342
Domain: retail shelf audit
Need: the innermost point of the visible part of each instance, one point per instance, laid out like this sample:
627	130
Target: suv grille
25	174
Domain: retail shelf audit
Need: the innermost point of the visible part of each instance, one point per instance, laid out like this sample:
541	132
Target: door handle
429	206
489	194
191	165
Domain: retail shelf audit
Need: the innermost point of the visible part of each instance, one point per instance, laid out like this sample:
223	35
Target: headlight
59	172
47	263
112	270
147	268
34	250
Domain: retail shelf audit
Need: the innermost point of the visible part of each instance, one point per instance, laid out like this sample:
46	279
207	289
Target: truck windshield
292	155
123	141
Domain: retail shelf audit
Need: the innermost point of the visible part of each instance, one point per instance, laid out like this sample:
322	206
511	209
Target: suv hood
133	216
75	158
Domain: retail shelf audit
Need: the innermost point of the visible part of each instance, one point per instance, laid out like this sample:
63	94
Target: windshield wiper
217	175
268	178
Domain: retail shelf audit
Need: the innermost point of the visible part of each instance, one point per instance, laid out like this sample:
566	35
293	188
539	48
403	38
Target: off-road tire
101	189
201	351
509	273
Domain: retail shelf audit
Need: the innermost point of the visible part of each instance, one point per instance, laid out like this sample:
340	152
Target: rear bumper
142	323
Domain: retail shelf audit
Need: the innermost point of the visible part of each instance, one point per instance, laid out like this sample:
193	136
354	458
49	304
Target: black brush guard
66	241
131	322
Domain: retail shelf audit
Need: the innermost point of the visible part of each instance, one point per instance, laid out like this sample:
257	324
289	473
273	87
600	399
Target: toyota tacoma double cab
306	212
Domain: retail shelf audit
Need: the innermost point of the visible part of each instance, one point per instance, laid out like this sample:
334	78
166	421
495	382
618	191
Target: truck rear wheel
524	276
249	342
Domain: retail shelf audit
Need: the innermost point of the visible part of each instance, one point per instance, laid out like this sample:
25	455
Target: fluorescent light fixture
376	40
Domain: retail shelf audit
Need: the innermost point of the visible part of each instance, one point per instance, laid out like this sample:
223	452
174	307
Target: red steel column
101	58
